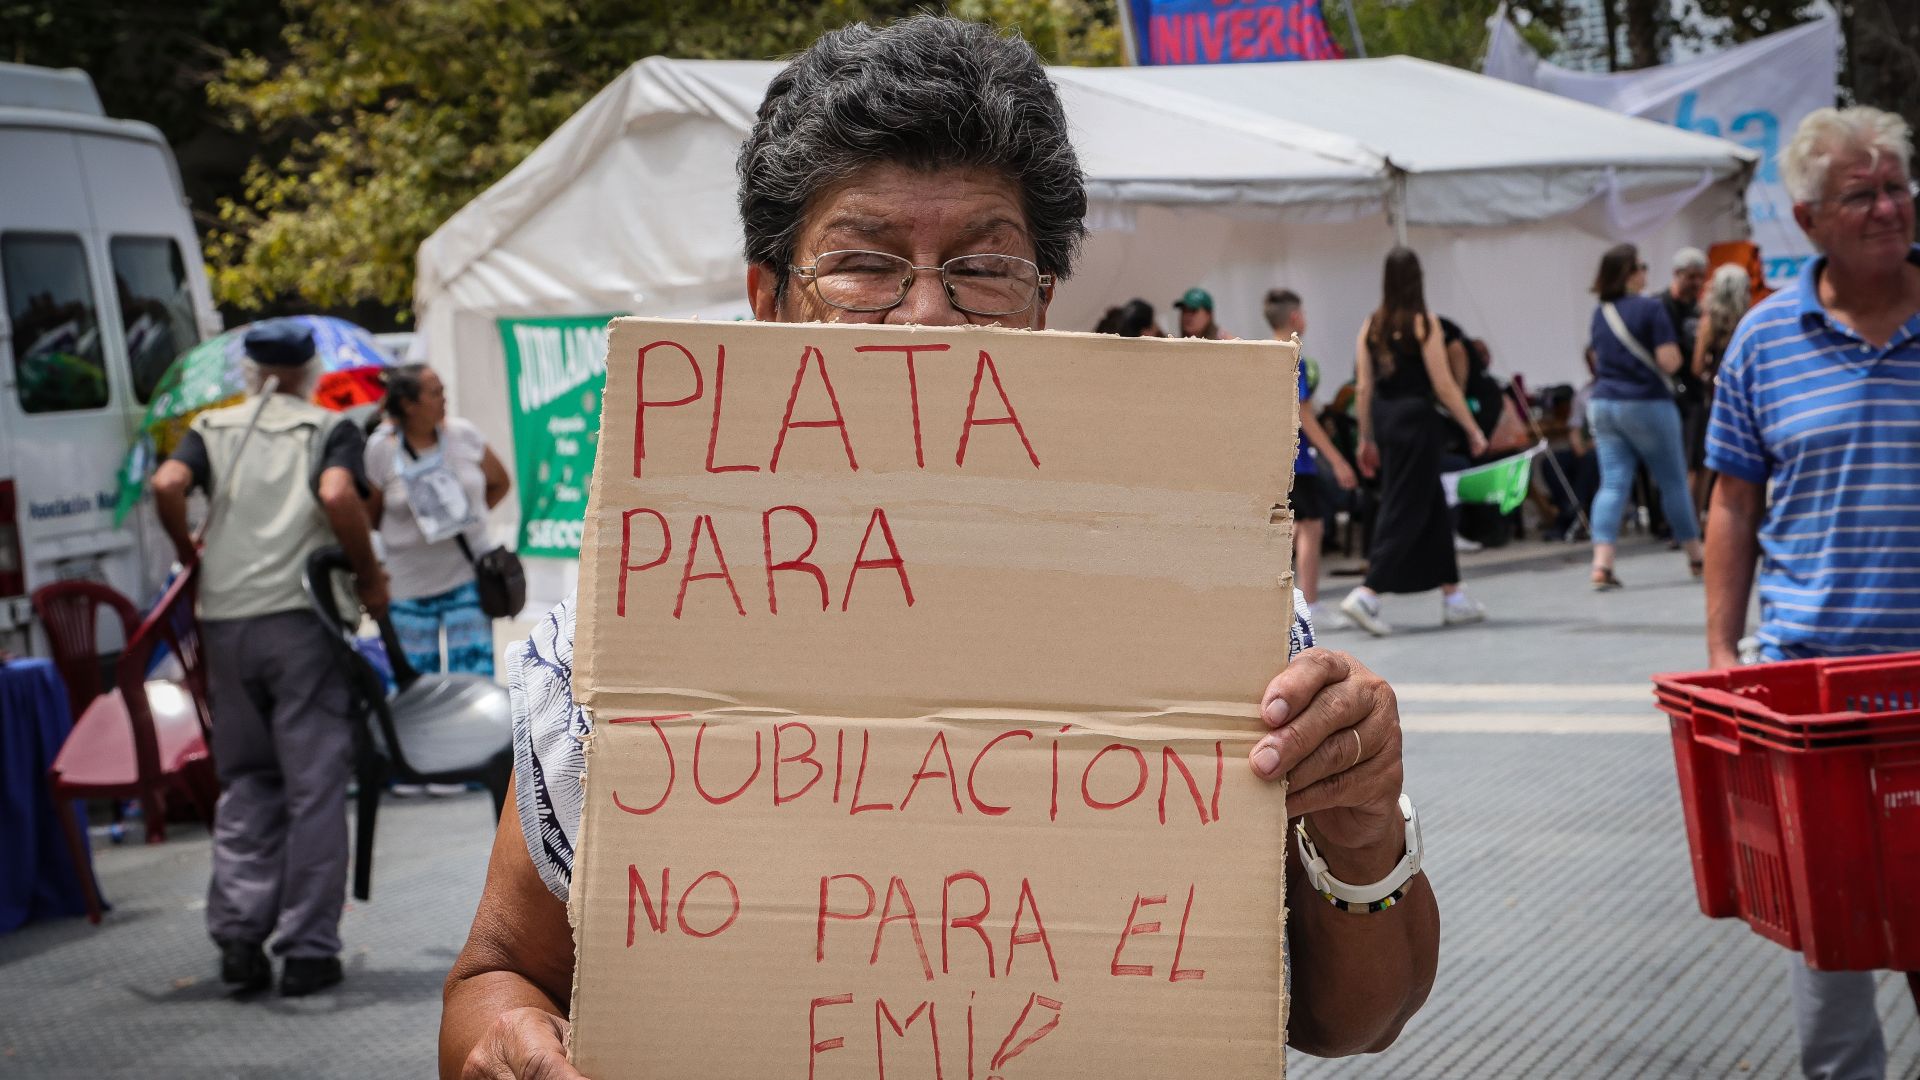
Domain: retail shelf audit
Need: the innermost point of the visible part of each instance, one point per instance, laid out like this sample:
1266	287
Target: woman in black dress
1401	375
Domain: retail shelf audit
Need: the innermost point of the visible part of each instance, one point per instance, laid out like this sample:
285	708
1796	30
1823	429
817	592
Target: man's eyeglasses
1864	200
875	281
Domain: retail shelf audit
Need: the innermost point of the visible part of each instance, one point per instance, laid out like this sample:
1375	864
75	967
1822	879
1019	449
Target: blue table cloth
37	878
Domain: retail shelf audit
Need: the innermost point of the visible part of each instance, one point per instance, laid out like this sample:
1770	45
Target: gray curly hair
928	92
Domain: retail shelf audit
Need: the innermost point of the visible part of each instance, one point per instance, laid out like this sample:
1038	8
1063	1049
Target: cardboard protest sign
923	665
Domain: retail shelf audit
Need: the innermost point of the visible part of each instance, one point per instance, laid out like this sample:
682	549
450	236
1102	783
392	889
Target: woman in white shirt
434	478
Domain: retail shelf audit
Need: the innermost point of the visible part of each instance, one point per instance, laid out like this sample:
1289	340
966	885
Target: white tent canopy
1236	178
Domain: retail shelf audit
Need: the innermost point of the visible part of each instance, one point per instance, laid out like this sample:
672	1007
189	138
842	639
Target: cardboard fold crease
924	663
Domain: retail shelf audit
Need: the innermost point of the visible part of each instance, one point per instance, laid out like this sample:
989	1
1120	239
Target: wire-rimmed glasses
1864	200
991	285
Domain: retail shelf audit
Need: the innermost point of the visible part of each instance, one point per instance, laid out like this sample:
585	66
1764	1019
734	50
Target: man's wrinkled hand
1336	741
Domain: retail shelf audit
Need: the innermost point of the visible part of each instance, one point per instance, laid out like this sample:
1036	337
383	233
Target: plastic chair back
171	625
69	611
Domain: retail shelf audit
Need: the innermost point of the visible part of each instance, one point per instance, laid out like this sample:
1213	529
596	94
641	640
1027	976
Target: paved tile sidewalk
140	996
1571	944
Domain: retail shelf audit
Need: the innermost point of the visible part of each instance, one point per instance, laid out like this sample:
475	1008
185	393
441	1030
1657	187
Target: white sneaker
1459	609
1326	617
1464	546
1364	609
406	791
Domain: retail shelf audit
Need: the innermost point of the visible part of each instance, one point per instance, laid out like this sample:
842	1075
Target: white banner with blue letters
1754	94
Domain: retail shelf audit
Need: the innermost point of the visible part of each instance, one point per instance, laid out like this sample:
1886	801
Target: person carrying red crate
1819	397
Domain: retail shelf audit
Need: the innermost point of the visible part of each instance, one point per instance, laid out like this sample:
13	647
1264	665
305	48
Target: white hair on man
298	380
1826	133
1689	258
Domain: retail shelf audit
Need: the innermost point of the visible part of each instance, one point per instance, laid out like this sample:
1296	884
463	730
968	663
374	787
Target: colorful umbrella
212	374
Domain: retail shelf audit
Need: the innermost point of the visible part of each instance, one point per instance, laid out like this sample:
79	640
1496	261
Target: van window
56	335
155	305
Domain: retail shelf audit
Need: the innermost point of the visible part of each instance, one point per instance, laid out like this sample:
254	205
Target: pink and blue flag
1227	31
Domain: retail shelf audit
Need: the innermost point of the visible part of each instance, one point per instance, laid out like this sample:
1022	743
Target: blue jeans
1631	433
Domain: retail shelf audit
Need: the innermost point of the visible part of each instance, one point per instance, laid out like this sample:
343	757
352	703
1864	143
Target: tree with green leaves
395	113
1082	33
1452	32
152	61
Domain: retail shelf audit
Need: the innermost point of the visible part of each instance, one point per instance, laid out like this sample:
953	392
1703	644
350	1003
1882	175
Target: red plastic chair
70	612
142	740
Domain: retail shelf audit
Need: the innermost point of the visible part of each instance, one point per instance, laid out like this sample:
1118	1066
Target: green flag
1503	483
555	374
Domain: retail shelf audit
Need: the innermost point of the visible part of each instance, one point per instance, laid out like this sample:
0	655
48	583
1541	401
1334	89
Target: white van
101	286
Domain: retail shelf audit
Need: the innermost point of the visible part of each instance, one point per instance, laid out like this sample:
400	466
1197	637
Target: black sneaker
245	963
303	975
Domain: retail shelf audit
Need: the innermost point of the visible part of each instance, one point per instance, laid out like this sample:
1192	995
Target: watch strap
1376	896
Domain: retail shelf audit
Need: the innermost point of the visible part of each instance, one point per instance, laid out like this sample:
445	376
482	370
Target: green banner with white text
556	371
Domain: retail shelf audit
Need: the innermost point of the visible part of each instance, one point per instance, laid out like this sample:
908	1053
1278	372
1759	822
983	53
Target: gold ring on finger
1358	750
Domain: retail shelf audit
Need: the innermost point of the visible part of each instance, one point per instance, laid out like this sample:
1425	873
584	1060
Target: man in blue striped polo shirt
1819	396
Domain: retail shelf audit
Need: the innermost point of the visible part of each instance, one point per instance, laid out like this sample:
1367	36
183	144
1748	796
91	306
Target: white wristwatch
1381	894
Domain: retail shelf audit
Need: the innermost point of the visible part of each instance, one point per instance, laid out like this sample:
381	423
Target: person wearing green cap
1196	316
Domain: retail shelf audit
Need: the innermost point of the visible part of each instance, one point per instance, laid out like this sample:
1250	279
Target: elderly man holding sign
915	175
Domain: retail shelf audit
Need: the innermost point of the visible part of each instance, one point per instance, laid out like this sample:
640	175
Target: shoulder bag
1632	344
497	573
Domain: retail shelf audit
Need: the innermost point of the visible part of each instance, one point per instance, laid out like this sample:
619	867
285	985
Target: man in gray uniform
282	742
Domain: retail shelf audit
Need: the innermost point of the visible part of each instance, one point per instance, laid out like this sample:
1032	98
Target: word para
800	563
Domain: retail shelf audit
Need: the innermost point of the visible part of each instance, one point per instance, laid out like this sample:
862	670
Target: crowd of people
1423	402
1407	361
1782	427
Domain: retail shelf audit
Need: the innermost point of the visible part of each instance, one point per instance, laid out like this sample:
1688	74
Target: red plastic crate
1800	784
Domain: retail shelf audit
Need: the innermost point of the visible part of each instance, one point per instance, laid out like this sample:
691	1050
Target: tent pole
1397	207
1353	27
1129	45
